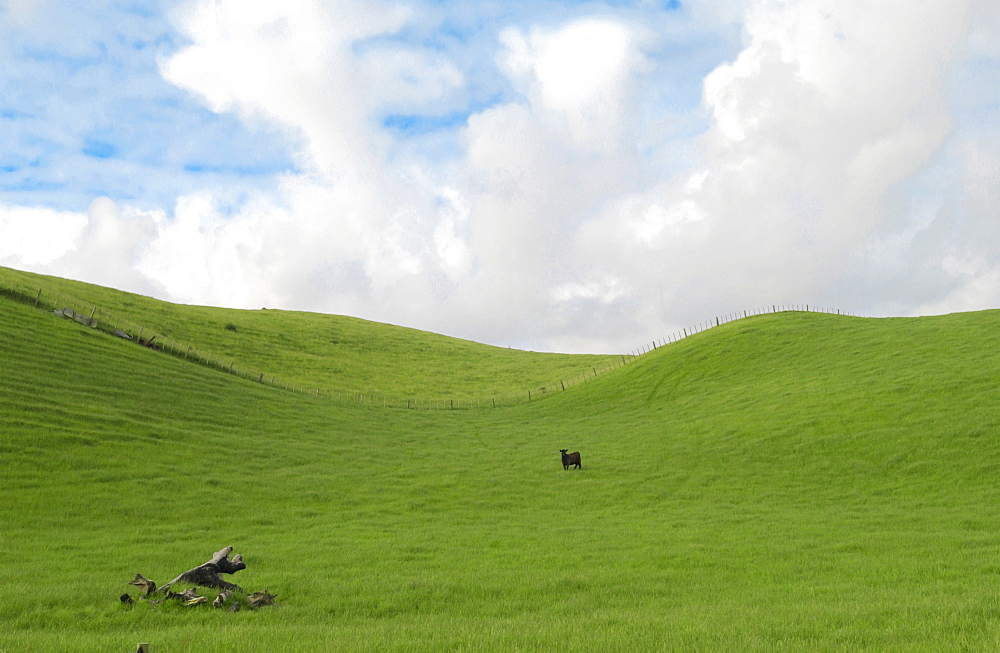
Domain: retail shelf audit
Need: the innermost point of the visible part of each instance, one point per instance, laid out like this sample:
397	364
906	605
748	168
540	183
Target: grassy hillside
787	482
328	352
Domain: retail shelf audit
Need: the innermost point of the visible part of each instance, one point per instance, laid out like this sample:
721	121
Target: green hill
785	482
331	353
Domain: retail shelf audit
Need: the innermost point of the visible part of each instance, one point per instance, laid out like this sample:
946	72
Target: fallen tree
204	575
207	574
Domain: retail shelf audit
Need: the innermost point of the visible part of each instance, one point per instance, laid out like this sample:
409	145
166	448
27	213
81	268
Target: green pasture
330	353
787	482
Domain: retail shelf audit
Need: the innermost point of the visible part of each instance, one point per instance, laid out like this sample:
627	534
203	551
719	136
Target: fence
95	317
731	317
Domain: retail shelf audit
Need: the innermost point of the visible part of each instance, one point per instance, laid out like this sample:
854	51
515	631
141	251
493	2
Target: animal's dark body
570	459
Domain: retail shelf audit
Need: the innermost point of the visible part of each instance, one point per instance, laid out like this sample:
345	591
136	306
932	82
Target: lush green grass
786	482
327	352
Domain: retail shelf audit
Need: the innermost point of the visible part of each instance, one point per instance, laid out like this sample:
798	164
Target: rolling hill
331	353
785	482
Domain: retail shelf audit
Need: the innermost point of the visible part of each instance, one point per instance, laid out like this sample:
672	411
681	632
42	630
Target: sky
538	174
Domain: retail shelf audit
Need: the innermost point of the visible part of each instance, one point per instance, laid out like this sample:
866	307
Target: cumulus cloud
817	123
575	195
581	74
35	236
101	246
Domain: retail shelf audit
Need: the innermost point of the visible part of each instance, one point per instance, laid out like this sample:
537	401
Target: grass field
787	482
328	352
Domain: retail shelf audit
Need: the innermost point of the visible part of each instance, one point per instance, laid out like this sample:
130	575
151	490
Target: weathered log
207	574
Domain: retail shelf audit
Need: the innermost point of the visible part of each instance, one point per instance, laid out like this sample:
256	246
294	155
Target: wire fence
732	317
94	317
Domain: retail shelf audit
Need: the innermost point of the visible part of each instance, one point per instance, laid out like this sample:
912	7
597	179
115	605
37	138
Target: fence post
38	296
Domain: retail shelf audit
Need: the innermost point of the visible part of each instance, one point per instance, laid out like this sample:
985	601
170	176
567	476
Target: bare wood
207	574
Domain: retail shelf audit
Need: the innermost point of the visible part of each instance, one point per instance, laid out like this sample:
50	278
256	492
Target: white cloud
846	154
37	236
604	291
821	115
582	74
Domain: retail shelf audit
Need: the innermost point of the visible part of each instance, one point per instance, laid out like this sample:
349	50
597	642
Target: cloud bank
564	177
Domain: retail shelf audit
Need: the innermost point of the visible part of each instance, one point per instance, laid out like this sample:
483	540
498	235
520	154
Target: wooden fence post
38	296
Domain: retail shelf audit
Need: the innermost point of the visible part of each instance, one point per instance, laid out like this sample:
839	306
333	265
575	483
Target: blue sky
82	93
571	176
